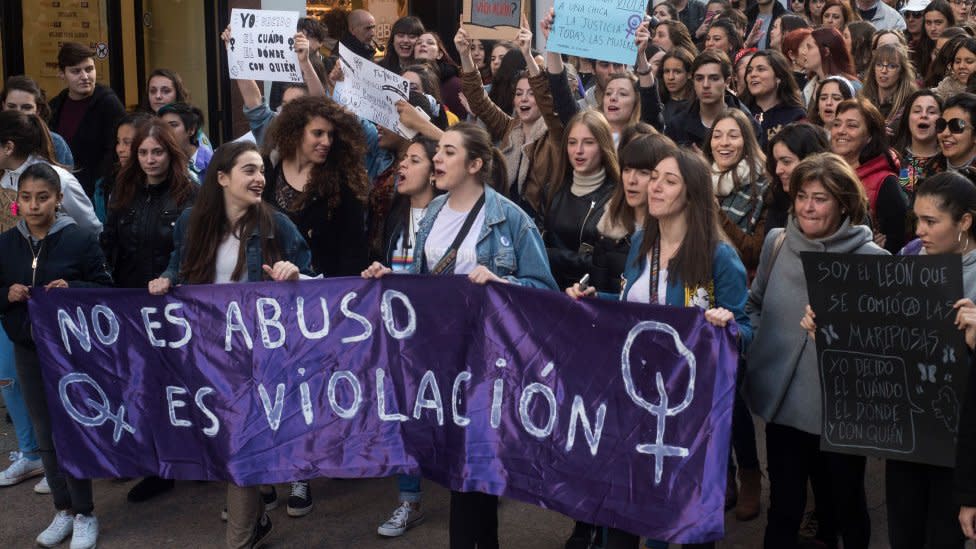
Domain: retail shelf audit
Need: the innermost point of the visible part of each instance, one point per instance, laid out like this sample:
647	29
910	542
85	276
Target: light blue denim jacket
509	243
291	245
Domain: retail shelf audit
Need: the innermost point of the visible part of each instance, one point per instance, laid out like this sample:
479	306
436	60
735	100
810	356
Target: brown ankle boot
750	487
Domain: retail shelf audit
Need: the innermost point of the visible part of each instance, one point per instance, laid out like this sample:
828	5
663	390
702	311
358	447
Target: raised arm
250	91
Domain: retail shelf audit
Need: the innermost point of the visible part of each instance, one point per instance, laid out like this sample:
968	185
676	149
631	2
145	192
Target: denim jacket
728	275
290	242
509	243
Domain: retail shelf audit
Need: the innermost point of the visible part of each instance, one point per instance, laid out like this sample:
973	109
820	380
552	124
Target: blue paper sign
597	29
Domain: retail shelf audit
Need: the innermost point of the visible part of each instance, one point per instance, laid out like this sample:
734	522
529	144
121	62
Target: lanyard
655	271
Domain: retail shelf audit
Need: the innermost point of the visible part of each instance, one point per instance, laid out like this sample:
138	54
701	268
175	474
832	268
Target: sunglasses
913	14
956	125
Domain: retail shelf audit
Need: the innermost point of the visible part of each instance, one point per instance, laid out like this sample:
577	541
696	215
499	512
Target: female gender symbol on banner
661	411
103	407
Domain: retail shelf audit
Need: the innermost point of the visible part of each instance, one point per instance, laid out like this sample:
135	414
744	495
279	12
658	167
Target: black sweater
95	139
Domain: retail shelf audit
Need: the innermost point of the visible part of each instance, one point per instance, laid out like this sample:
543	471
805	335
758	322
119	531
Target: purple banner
612	413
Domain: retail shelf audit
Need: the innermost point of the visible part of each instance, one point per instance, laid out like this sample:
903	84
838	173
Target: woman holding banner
48	250
782	381
666	267
474	230
149	194
230	235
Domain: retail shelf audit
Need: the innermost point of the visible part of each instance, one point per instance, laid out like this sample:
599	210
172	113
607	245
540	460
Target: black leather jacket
138	240
570	231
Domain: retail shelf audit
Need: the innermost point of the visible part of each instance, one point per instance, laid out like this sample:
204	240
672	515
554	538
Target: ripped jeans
14	398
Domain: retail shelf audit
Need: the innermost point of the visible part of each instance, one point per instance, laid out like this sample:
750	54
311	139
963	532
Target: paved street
346	514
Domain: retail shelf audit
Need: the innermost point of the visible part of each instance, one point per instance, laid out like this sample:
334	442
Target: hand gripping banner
612	413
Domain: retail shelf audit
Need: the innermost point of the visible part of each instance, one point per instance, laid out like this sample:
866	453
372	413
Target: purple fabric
490	432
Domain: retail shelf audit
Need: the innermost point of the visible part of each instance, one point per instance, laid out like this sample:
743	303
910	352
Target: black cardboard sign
893	365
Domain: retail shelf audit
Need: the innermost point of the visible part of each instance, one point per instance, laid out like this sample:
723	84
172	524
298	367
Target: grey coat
782	377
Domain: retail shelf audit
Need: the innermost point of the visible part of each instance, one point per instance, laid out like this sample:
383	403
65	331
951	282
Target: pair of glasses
913	14
886	66
956	125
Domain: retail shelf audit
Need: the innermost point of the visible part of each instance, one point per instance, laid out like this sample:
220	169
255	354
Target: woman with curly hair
315	175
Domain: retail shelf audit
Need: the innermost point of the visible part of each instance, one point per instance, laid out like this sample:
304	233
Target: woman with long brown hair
149	195
231	235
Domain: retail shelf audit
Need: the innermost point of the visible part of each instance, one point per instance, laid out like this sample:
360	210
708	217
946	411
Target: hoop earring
959	240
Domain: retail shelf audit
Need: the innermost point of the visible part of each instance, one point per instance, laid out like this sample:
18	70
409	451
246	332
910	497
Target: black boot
149	488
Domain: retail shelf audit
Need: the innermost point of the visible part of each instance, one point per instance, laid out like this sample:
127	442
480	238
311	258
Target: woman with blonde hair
587	176
889	82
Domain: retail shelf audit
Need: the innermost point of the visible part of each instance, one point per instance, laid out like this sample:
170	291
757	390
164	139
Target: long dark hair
955	193
28	133
404	25
400	209
343	165
802	139
504	80
208	224
27	85
787	92
641	153
903	136
131	176
692	263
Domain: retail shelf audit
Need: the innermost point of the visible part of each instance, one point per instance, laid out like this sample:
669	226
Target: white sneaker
86	532
404	518
20	470
58	531
42	487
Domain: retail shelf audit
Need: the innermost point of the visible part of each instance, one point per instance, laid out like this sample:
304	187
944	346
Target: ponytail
28	133
497	174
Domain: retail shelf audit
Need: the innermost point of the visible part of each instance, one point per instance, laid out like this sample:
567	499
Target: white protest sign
371	91
262	46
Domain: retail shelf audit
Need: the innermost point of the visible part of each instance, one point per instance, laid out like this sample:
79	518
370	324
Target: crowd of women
741	136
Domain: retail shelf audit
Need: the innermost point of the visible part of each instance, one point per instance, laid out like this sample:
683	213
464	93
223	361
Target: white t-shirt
227	259
640	292
443	233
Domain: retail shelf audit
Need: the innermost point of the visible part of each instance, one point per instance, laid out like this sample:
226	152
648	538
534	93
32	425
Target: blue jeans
12	396
409	488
